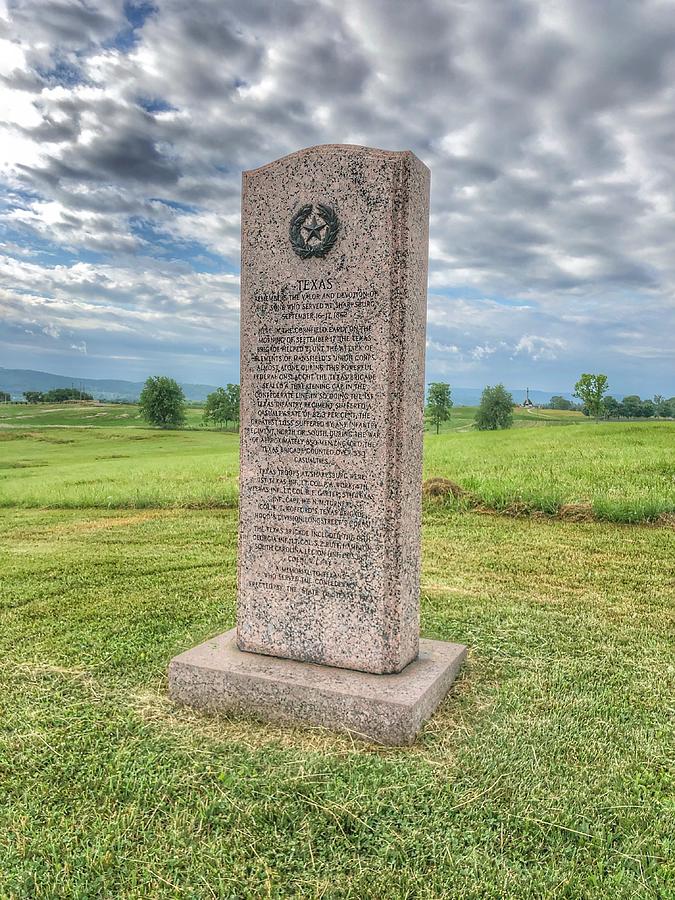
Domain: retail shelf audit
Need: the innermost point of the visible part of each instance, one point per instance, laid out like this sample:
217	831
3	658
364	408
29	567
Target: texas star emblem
313	230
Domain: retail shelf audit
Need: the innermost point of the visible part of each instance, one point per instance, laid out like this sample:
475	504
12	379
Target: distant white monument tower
527	404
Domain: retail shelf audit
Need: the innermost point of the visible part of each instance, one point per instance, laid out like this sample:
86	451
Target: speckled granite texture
333	311
388	709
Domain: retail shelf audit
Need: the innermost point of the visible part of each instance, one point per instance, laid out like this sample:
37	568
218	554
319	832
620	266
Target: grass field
127	415
548	772
462	418
109	468
622	472
83	415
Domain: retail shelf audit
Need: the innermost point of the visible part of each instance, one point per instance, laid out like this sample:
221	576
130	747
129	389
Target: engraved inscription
314	408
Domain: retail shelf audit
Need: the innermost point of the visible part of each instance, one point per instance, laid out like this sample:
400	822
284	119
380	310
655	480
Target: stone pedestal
387	709
333	312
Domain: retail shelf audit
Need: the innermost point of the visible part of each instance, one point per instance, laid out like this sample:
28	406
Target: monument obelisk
333	312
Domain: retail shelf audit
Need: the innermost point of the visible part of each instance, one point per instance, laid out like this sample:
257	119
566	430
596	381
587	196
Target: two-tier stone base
387	709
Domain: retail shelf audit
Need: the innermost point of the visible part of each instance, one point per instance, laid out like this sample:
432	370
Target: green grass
622	472
84	415
128	416
89	415
462	419
111	468
548	772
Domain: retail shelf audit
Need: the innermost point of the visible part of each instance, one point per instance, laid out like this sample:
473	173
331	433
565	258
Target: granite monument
333	312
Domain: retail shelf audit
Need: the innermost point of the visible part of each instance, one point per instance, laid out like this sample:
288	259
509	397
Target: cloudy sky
549	128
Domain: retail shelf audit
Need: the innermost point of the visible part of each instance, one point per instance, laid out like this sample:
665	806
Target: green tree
631	406
611	408
647	409
558	402
664	408
439	403
222	406
216	408
495	410
5	397
590	389
162	402
33	396
234	393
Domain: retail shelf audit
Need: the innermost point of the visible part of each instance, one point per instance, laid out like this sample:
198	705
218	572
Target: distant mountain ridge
16	381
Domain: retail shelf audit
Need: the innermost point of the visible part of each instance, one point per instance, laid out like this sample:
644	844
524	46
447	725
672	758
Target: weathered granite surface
333	311
389	709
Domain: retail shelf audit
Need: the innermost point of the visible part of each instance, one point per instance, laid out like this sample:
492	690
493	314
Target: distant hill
16	381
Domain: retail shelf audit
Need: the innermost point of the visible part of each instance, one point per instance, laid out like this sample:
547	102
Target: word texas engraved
312	238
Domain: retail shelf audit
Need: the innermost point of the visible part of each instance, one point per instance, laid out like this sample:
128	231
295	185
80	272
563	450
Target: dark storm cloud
548	126
50	131
118	157
123	146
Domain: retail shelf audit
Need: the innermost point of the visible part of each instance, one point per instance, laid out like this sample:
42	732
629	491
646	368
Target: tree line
495	410
633	407
592	390
162	403
56	395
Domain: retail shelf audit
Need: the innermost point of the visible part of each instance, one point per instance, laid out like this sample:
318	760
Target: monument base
387	709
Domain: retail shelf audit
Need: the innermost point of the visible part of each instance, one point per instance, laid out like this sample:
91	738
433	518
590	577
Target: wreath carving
325	242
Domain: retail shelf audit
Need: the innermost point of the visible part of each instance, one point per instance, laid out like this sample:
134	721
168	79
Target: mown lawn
548	772
621	471
107	415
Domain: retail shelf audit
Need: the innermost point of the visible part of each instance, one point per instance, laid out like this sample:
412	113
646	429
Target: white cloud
547	126
539	347
480	352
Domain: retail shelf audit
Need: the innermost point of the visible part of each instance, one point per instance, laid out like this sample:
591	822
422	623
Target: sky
548	126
